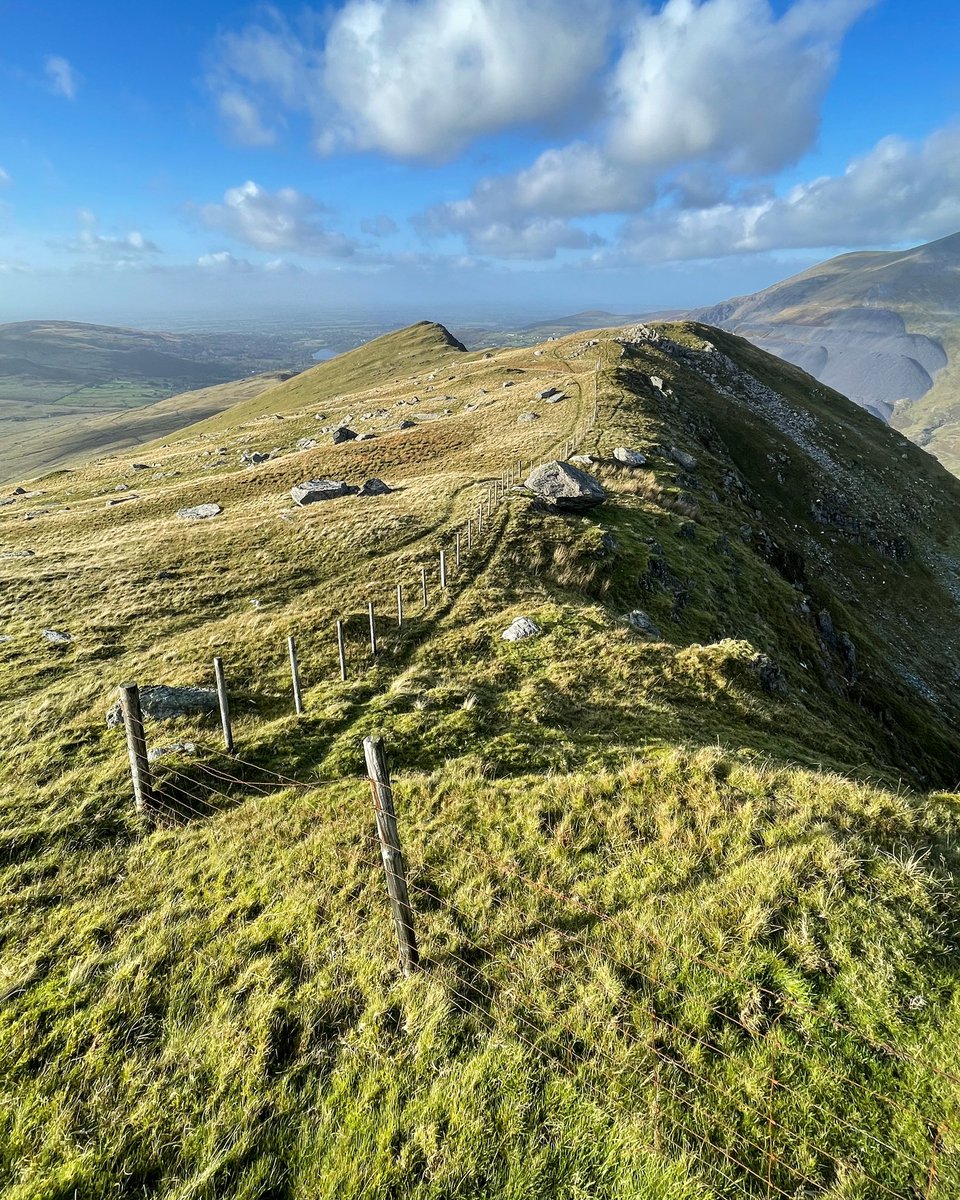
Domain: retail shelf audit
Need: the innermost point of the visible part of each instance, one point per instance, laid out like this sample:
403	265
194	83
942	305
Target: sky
210	162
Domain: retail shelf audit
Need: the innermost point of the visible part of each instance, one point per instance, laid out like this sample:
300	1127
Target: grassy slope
212	1009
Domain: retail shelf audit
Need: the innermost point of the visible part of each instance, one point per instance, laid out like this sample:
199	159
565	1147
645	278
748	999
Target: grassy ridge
685	936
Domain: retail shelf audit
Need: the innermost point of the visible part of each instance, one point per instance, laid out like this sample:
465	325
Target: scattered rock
521	628
343	434
162	703
122	499
564	487
165	575
140	466
657	382
366	437
6	637
583	460
375	487
19	491
187	748
122	487
629	458
640	622
253	458
509	383
314	490
682	459
7	500
200	512
526	417
56	636
307	444
547	392
406	425
557	398
18	554
768	674
688	530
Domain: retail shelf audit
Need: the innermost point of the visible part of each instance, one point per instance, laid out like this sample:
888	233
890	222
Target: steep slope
685	888
884	328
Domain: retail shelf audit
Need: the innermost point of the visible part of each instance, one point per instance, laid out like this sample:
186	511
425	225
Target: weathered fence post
480	518
393	864
423	585
457	553
136	747
399	605
443	569
519	468
469	533
295	675
373	629
342	652
224	704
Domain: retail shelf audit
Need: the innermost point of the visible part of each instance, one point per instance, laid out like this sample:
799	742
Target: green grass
682	938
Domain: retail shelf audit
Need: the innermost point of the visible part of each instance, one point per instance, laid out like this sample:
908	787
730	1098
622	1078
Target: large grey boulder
253	458
56	636
314	490
307	444
682	458
629	458
162	703
343	434
199	512
547	393
519	629
564	487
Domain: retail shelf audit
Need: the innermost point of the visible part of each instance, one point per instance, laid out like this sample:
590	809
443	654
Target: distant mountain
883	328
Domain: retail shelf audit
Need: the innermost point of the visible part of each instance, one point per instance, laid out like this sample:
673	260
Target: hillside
883	328
685	886
69	390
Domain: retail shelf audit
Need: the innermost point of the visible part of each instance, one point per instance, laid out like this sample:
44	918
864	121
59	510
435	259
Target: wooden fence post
224	704
373	629
480	518
393	864
457	555
136	747
519	468
423	584
399	605
295	675
443	569
342	652
469	533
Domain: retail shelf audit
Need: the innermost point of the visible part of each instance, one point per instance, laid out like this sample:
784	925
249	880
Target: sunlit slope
650	872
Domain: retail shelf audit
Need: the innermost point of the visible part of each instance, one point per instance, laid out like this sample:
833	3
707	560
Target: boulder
253	458
407	425
555	399
629	458
582	460
682	458
527	416
307	444
314	490
366	437
200	512
657	382
564	487
521	628
547	393
640	622
181	748
375	487
140	466
162	703
343	434
56	636
509	383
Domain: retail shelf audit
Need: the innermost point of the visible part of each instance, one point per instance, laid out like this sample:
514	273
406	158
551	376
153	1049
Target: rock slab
161	703
629	458
200	512
314	490
564	487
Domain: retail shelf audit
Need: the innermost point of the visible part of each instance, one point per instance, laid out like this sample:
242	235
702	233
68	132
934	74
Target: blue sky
460	158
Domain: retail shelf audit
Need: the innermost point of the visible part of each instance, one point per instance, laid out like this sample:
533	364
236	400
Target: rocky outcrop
312	491
565	488
519	629
162	703
629	458
199	512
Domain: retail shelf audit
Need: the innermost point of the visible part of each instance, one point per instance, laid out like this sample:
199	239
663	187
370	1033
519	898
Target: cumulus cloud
120	248
276	221
898	192
61	76
243	119
415	78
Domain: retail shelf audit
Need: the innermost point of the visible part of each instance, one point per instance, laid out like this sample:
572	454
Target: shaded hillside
884	328
685	885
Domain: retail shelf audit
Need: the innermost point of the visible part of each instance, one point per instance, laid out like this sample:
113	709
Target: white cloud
379	226
275	221
415	78
727	80
61	76
223	260
5	179
424	79
898	192
121	248
243	119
